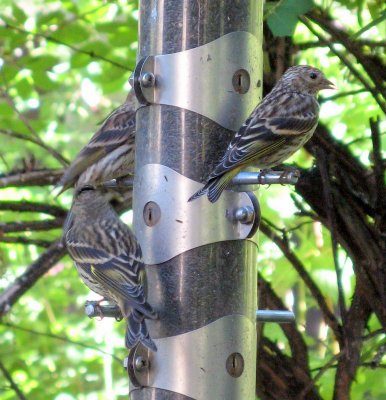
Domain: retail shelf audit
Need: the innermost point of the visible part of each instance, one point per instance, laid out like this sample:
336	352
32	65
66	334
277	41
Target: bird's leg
263	173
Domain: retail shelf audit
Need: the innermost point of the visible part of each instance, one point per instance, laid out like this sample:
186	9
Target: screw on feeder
141	364
151	213
147	79
244	215
235	365
241	81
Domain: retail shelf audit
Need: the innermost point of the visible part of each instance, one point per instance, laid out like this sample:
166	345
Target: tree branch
36	140
347	63
24	240
325	164
13	384
62	338
329	317
91	54
31	178
30	206
26	280
379	178
26	226
371	64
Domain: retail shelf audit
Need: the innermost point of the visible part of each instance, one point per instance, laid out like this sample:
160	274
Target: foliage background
63	67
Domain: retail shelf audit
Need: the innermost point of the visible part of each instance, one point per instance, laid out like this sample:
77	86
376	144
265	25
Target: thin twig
26	241
27	279
31	178
38	142
345	61
324	163
318	43
329	317
13	384
379	177
62	338
321	371
30	206
91	54
37	139
27	226
340	95
371	64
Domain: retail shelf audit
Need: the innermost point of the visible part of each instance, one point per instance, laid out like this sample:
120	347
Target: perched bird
109	260
110	152
280	125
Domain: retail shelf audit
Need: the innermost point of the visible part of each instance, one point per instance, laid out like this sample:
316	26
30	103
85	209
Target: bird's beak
329	85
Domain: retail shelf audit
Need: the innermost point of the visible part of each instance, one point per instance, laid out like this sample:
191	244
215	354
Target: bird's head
305	79
89	200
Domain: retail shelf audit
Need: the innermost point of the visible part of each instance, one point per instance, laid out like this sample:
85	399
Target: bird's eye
85	188
313	75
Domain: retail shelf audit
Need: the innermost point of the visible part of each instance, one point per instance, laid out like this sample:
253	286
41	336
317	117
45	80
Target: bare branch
324	163
91	54
24	240
30	206
31	178
61	338
13	384
329	317
379	175
26	226
317	43
26	280
36	140
372	64
346	62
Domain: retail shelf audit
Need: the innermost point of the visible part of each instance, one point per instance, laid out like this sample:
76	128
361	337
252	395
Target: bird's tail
215	186
137	331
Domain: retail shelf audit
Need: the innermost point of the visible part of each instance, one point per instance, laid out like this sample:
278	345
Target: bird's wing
118	273
119	128
261	137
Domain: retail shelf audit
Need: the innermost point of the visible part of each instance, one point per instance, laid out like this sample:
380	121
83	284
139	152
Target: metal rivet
140	363
241	81
244	215
147	79
235	365
151	213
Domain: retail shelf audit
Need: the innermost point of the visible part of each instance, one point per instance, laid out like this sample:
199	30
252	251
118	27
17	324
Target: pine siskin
110	152
280	125
109	260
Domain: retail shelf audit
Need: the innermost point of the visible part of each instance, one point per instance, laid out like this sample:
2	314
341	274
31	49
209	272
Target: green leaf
75	33
18	13
370	25
283	20
43	62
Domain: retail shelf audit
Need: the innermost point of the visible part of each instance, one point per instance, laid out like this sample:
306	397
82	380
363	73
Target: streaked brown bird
110	152
109	261
280	125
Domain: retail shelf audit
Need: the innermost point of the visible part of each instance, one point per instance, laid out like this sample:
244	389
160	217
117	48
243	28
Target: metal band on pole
204	290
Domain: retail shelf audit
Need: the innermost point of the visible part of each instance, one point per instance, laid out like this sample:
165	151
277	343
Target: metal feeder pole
198	77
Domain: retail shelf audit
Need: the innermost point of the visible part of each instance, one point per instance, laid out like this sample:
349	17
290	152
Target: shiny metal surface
243	178
281	317
266	178
207	79
181	225
185	364
217	280
94	309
